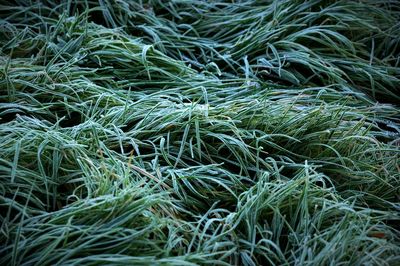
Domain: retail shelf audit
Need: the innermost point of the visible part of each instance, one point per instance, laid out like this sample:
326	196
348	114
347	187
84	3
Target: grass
199	132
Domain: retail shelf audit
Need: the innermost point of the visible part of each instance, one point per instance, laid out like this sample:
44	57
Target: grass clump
199	132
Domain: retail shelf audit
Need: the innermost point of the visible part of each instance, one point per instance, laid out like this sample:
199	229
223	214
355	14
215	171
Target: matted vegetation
200	132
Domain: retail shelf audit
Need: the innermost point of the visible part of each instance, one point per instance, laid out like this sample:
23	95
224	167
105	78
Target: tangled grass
193	132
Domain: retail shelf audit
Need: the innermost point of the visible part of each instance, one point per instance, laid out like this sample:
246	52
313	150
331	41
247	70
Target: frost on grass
199	132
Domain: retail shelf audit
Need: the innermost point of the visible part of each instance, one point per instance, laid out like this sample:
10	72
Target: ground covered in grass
193	132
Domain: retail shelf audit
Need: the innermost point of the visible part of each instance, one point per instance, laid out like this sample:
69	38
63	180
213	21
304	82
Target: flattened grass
193	132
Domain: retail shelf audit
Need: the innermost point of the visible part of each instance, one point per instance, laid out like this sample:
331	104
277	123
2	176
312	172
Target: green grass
199	132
